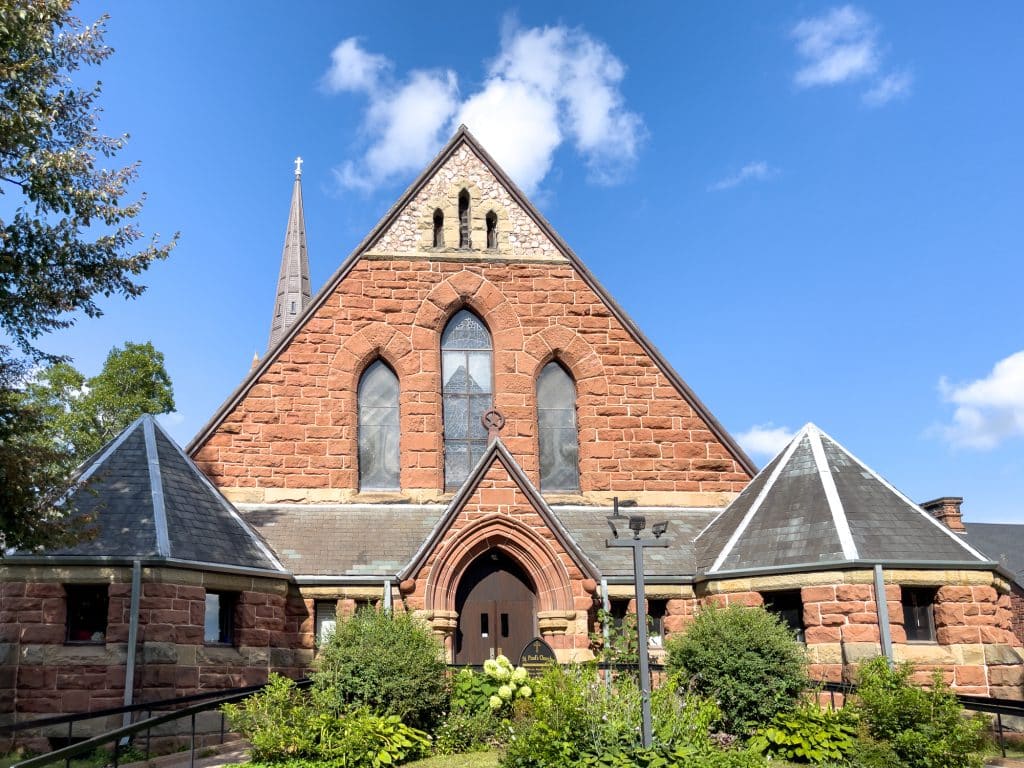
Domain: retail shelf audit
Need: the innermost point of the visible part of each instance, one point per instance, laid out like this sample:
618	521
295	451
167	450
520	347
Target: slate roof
151	502
343	539
817	504
1003	542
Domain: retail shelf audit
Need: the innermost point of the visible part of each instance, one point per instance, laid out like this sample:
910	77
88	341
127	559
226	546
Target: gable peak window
438	228
492	230
466	392
464	241
378	428
556	429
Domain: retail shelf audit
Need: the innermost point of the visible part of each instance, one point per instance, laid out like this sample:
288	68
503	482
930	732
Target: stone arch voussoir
525	546
370	343
468	290
567	347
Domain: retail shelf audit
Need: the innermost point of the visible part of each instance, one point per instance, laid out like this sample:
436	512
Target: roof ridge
223	501
156	488
835	503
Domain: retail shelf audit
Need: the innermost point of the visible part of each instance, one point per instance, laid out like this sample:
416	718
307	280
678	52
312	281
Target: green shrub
287	726
807	734
745	658
277	721
388	662
464	731
925	728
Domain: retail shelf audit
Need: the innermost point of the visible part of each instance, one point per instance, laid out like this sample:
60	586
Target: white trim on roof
765	490
835	504
263	548
156	489
916	507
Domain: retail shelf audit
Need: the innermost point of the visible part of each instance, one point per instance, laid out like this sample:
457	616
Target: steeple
293	292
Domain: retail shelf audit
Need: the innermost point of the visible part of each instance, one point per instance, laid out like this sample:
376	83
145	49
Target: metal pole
606	604
133	639
882	608
192	744
641	626
387	596
1002	741
67	760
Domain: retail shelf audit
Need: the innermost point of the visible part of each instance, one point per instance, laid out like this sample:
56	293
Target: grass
465	760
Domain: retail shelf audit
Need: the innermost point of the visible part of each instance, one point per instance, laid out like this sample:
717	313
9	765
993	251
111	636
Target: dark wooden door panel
497	610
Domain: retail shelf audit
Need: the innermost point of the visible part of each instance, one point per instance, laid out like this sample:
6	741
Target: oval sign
537	655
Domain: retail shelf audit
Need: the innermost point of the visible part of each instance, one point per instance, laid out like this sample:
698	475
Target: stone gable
411	233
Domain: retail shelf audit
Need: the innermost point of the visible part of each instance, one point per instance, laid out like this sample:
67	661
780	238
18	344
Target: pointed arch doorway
497	607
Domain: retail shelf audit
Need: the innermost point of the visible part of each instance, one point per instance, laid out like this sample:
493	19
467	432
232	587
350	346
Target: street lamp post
636	524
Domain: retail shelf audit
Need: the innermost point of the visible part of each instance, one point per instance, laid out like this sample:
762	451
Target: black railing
120	736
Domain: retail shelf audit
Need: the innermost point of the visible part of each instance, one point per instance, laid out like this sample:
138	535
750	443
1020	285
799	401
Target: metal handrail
89	745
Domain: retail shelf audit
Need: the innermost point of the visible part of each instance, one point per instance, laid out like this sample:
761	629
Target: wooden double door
497	610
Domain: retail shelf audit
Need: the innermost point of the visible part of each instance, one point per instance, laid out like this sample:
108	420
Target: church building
444	429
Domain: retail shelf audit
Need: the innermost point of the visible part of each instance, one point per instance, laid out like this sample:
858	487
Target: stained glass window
556	422
378	428
466	371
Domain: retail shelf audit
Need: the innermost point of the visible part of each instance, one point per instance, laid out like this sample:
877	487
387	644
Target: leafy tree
83	414
68	235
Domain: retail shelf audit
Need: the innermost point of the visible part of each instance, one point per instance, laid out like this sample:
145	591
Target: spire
293	292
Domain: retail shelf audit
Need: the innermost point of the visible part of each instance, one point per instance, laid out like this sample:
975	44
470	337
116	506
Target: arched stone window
378	428
467	393
464	241
556	428
492	230
438	228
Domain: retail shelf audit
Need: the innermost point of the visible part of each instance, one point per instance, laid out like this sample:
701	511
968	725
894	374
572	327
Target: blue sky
813	210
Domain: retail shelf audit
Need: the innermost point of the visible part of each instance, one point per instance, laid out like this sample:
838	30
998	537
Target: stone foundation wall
43	674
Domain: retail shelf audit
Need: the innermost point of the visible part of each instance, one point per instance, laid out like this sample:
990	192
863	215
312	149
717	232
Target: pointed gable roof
816	504
463	138
150	502
293	280
497	452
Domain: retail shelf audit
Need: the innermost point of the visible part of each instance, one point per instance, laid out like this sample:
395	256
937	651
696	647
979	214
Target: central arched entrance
497	607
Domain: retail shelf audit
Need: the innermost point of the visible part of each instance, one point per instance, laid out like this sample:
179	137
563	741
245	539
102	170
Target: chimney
946	510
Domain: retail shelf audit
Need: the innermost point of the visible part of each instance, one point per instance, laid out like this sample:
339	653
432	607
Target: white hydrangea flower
524	691
495	702
519	675
505	692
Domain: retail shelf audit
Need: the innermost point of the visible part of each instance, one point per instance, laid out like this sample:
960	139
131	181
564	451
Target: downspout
133	639
882	607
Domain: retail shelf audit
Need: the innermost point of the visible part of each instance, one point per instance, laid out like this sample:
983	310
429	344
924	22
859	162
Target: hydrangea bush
512	683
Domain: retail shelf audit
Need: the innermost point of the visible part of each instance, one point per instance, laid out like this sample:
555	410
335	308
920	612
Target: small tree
746	658
388	662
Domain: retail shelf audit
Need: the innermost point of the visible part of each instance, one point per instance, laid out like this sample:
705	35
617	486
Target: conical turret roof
817	504
149	501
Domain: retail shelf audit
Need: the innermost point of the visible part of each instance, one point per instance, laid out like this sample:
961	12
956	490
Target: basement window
918	621
219	628
87	606
788	606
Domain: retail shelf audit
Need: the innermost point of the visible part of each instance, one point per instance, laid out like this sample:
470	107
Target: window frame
360	429
784	612
227	622
475	445
575	429
319	620
914	594
74	596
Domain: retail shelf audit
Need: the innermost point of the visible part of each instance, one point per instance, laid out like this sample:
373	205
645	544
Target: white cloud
841	46
765	439
547	86
888	88
757	171
353	69
988	410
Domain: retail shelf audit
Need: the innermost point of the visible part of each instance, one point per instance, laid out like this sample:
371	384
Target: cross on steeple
298	167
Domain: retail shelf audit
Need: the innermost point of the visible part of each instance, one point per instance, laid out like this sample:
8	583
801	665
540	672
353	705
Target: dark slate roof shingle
1003	542
816	503
150	501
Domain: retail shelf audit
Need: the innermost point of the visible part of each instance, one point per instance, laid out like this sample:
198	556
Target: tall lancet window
378	428
464	220
492	230
556	422
467	392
